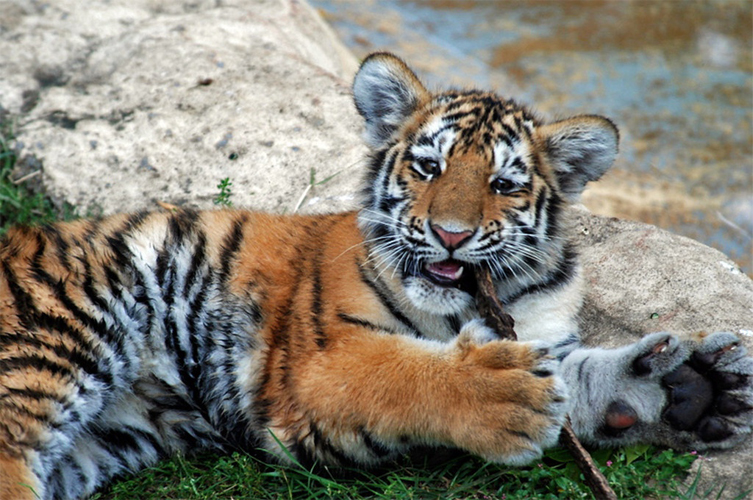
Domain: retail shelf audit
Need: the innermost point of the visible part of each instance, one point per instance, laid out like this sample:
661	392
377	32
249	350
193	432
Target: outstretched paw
694	393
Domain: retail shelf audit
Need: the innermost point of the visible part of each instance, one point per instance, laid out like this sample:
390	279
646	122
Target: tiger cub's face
464	179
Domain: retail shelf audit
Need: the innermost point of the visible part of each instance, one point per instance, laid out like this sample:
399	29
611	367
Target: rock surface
131	102
126	103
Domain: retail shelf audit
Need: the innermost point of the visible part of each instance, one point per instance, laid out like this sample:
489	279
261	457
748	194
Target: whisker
361	243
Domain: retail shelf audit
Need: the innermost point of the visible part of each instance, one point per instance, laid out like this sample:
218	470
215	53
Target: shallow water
676	76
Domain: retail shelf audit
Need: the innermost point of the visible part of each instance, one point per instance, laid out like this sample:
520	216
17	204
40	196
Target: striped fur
344	338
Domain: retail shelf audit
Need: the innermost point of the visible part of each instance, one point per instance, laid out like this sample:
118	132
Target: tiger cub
345	338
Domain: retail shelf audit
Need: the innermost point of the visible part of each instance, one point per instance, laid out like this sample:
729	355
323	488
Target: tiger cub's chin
436	299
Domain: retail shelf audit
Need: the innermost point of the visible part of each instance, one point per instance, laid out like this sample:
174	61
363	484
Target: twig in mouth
492	311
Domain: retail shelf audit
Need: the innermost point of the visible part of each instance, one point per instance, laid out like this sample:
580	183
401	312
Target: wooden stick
490	307
591	474
492	311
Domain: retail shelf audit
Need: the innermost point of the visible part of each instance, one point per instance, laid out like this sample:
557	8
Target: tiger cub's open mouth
450	273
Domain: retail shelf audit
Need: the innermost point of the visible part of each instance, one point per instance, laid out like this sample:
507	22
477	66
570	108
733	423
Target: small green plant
223	198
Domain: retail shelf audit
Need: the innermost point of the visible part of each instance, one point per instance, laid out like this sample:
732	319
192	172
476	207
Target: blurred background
675	75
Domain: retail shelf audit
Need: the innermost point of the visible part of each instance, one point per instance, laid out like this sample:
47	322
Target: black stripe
31	318
93	227
117	442
386	301
88	286
76	355
37	362
561	275
61	246
455	324
134	221
507	141
165	274
58	287
375	448
553	209
539	207
56	487
71	468
189	364
316	302
19	408
584	379
23	301
62	326
511	134
387	169
375	165
182	224
117	242
113	282
27	393
230	247
197	262
522	434
162	265
321	443
364	323
564	347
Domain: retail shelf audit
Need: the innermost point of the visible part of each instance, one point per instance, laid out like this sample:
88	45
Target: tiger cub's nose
449	239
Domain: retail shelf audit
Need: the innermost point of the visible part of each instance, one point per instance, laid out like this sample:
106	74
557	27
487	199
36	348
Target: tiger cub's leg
374	395
691	393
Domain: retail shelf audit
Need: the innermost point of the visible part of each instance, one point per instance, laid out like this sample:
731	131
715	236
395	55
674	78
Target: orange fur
16	481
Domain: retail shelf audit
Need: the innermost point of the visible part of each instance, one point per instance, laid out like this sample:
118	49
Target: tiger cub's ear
386	92
580	149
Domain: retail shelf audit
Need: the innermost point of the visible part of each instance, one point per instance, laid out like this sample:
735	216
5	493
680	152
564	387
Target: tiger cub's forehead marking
435	139
483	122
512	161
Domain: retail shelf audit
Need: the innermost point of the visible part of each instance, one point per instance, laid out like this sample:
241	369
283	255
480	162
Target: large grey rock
642	279
131	102
116	102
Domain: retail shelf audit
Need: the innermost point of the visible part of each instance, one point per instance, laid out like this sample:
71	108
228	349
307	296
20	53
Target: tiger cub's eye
503	186
428	167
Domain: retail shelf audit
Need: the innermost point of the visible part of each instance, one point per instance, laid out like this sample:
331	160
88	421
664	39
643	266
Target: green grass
19	205
634	473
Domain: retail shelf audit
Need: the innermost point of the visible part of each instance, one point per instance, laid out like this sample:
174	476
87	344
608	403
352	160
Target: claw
642	365
660	348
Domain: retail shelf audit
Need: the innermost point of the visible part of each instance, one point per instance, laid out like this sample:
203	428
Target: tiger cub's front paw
513	402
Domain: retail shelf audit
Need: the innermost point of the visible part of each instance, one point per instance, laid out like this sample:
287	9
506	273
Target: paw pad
619	417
